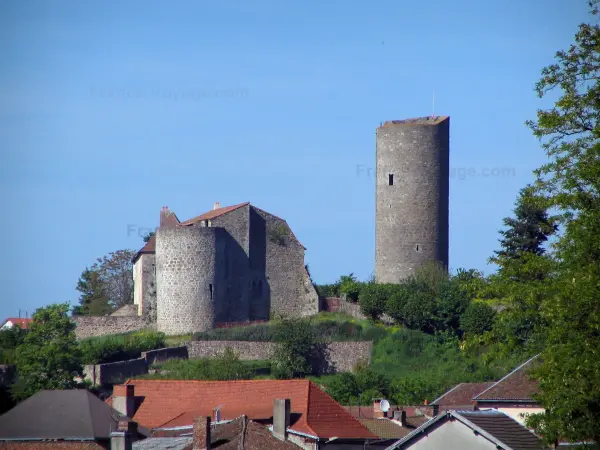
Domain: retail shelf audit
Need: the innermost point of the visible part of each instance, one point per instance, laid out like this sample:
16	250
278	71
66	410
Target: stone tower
189	278
412	186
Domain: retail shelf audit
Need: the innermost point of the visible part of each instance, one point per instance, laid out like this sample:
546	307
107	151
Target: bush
297	349
374	297
106	349
350	286
477	318
451	303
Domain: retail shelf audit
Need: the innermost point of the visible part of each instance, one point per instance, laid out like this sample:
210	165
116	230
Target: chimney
217	205
123	438
164	213
400	416
281	417
377	412
123	399
201	433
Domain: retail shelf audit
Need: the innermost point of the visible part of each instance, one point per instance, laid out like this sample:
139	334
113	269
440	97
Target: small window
391	179
417	248
154	269
210	288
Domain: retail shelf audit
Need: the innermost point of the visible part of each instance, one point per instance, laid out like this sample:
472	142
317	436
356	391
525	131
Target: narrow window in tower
391	179
154	269
417	248
211	291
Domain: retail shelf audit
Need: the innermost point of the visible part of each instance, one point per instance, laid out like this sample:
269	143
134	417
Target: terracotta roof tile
214	213
388	429
23	323
174	402
516	386
461	395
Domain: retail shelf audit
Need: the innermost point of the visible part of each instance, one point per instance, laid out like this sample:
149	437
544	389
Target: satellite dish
384	405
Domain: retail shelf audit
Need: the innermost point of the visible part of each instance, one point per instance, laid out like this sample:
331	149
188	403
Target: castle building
412	196
232	264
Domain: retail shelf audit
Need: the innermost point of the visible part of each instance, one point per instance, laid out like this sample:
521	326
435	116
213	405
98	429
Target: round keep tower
187	278
412	196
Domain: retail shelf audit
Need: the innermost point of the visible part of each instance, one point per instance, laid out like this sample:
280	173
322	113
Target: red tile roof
174	403
461	395
214	213
516	386
23	323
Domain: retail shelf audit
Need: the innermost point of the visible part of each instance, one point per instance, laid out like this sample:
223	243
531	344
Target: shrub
477	318
105	349
373	298
349	285
297	349
451	303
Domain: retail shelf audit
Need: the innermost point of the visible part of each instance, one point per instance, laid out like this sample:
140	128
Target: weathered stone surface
89	326
340	356
114	373
412	213
165	354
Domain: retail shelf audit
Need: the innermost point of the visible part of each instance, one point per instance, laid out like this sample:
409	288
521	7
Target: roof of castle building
176	403
516	386
214	213
171	220
429	120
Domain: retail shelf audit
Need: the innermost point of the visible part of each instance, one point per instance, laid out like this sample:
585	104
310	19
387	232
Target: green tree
115	271
349	285
528	230
374	298
10	339
93	300
49	357
570	183
148	236
297	349
451	302
477	318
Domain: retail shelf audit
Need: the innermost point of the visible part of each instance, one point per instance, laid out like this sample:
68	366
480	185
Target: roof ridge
505	377
308	386
446	393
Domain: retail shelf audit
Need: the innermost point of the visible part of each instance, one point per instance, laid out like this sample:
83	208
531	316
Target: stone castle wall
340	356
188	278
291	292
90	326
412	213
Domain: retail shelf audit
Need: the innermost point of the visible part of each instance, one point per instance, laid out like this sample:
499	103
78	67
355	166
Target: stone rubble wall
114	373
91	326
165	354
340	356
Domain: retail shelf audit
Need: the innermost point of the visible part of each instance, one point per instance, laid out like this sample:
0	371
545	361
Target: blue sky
111	110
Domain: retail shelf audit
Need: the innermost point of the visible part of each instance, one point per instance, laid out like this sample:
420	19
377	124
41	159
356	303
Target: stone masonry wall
90	326
236	303
412	213
165	354
285	269
188	280
115	373
343	356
